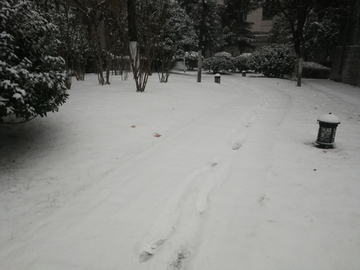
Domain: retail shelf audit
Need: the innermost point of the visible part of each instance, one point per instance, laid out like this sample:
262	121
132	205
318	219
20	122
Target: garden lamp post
327	130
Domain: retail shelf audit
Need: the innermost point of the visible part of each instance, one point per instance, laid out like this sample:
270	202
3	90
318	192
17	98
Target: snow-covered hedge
32	81
225	55
241	62
219	62
315	70
191	60
273	60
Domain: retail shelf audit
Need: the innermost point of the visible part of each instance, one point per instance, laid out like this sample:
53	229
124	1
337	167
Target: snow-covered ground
184	176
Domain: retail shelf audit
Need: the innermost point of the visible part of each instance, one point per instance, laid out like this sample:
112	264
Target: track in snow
177	231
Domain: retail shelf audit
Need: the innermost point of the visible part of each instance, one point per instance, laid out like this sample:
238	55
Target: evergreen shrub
32	81
221	61
191	60
241	62
273	60
315	71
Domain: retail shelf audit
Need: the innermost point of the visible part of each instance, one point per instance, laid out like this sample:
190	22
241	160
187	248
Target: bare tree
144	35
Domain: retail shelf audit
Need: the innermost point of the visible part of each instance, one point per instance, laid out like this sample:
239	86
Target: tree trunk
301	61
99	67
134	57
299	71
201	40
351	5
133	44
199	65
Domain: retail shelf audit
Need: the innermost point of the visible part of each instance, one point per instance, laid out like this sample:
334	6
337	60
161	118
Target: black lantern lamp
327	130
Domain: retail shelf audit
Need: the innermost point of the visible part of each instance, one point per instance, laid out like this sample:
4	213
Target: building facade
261	27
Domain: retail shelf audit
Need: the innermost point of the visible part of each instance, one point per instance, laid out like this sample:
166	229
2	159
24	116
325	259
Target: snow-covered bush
32	81
225	55
191	60
273	60
178	33
219	62
241	62
315	71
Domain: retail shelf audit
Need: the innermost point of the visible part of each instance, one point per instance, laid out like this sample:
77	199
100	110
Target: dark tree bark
201	35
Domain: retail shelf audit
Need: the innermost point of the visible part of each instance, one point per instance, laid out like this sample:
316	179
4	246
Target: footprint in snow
149	250
180	259
249	118
237	140
168	219
213	178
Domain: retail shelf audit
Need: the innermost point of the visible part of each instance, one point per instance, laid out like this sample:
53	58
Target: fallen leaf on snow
157	135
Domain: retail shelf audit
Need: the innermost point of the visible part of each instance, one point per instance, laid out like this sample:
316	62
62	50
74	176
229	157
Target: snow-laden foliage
315	70
179	32
212	27
177	35
273	60
146	33
191	60
236	30
320	34
32	81
221	61
241	62
225	55
74	45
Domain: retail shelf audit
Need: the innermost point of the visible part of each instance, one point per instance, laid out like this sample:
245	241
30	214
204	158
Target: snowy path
180	224
244	190
280	206
223	187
